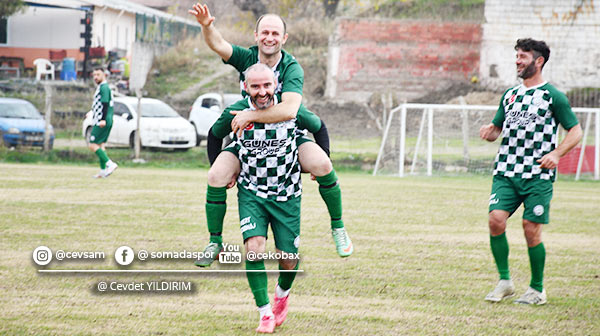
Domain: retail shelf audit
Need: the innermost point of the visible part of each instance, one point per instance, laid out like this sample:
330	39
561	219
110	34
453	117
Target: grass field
421	264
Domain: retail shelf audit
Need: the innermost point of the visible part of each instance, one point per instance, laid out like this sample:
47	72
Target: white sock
281	293
109	162
265	310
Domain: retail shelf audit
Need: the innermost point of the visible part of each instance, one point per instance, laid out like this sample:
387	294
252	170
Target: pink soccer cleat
267	324
280	309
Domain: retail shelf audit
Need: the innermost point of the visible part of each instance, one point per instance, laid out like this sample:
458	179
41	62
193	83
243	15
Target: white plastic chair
43	67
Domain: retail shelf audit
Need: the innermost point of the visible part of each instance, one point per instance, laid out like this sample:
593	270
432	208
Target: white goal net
434	139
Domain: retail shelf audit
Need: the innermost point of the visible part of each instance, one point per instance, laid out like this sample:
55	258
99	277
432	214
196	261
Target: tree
8	8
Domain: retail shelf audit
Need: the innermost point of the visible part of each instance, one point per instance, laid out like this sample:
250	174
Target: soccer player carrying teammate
270	35
269	189
524	169
102	109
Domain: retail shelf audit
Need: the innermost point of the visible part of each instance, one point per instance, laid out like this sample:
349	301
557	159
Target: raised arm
212	37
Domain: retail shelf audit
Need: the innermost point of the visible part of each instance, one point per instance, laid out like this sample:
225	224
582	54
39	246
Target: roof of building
119	5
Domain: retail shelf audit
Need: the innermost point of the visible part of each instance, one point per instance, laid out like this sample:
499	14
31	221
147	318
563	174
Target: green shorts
100	134
256	213
509	192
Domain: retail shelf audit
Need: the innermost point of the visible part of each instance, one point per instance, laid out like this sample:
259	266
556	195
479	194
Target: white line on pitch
167	271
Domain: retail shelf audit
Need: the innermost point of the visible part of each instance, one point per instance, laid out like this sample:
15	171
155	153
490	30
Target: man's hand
202	14
231	183
549	160
489	132
102	123
241	120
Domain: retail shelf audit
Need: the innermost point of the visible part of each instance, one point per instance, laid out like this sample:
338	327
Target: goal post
443	139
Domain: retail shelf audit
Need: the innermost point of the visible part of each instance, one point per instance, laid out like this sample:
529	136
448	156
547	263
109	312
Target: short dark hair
99	68
539	48
280	18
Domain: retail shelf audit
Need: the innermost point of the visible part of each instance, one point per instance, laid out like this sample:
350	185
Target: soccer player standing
270	35
269	191
524	168
102	109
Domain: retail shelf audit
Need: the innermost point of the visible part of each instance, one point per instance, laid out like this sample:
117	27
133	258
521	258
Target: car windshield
157	109
20	110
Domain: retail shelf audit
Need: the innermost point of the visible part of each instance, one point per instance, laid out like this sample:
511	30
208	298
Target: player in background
524	168
269	190
270	36
102	109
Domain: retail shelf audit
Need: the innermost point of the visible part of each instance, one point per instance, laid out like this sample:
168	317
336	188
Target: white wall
118	31
571	28
40	27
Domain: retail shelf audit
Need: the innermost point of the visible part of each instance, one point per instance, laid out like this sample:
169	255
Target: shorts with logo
256	213
100	134
509	192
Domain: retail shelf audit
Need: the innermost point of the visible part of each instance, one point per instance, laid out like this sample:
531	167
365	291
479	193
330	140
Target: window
3	30
119	109
208	102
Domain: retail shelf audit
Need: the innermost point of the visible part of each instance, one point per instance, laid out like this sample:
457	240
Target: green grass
421	264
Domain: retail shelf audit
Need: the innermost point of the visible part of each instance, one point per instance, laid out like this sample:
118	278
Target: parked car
22	124
161	126
206	110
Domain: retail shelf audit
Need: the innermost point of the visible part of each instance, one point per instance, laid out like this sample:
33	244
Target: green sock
215	212
287	278
103	157
499	246
330	191
537	259
258	282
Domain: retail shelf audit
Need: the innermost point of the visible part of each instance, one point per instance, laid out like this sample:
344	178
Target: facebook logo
124	255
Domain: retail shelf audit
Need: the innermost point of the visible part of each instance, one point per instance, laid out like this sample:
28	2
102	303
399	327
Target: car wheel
132	140
88	134
198	138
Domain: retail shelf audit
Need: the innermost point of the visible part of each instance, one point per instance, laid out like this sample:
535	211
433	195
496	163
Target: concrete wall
571	28
405	57
113	29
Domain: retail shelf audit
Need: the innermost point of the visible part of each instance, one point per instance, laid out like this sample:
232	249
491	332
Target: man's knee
288	264
497	222
93	147
218	177
314	160
532	232
255	245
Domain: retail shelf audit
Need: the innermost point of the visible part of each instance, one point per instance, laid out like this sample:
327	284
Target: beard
262	106
528	72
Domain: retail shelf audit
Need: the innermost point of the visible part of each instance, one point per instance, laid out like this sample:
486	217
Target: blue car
21	124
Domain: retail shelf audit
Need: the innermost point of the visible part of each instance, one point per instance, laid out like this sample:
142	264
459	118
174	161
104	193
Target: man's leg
535	215
314	160
504	200
225	168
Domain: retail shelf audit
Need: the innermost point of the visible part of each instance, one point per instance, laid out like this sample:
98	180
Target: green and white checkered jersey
103	94
269	160
289	74
529	119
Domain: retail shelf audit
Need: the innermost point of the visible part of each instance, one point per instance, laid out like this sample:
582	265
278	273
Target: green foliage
10	7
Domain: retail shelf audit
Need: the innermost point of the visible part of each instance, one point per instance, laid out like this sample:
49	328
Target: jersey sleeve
293	80
222	127
104	93
240	58
308	120
498	120
561	109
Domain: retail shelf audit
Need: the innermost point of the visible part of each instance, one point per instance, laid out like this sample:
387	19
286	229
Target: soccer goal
437	139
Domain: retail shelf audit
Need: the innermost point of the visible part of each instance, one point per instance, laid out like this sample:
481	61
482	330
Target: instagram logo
42	255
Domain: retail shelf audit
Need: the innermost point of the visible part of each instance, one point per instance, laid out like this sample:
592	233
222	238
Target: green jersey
102	95
529	119
289	74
